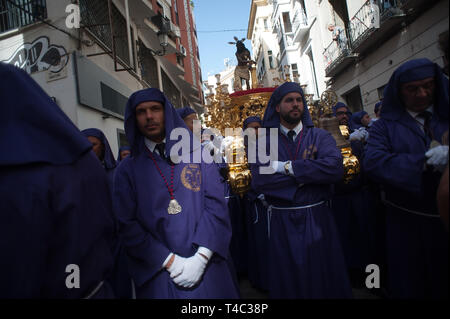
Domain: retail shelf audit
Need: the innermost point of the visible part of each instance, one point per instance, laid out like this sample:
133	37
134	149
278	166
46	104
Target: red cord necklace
299	143
174	207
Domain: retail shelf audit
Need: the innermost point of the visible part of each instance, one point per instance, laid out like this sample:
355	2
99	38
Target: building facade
287	40
119	47
379	37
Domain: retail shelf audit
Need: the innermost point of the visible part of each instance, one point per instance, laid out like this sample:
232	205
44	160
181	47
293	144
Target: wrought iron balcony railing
337	49
371	16
20	13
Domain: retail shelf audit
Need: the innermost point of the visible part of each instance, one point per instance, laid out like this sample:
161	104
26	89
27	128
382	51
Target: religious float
225	110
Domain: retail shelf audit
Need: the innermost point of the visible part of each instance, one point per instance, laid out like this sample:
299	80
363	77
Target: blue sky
218	15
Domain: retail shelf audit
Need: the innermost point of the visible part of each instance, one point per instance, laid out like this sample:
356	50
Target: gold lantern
330	123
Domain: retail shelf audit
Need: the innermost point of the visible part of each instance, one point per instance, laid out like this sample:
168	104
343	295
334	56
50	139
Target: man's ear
277	108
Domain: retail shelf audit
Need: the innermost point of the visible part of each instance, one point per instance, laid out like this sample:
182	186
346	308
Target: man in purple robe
305	255
124	151
188	115
256	219
101	148
120	279
406	153
172	217
55	207
353	205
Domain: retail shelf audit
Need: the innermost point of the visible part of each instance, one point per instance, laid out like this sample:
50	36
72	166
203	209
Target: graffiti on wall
39	56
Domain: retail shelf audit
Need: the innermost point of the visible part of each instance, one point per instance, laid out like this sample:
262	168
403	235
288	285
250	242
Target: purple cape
55	205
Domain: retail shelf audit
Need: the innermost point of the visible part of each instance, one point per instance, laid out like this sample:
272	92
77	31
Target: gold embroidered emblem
191	177
310	152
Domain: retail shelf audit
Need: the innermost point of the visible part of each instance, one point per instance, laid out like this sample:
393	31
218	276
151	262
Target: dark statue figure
245	63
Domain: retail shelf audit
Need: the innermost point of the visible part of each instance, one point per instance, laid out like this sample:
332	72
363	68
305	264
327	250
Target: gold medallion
174	207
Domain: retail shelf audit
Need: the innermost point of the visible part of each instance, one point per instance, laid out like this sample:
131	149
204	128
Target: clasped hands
187	272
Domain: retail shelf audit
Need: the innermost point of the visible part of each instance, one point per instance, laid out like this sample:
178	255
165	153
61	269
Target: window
159	9
113	100
175	8
266	24
381	92
271	61
287	22
19	13
282	45
148	66
122	138
170	90
180	60
354	99
313	73
294	70
262	70
303	8
95	19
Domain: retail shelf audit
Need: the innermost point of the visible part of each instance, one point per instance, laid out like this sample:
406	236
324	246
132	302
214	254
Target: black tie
162	150
426	115
291	135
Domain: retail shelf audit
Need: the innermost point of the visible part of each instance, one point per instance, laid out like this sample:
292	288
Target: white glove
217	141
357	136
177	266
438	156
225	143
277	167
193	269
365	133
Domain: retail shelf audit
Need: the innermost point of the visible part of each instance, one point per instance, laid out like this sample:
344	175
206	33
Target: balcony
140	10
300	25
414	7
373	24
338	56
17	14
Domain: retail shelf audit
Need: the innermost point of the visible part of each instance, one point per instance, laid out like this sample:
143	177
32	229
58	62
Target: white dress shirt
284	130
152	145
420	119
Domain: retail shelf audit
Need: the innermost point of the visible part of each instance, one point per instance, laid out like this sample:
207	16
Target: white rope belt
408	210
94	292
271	208
387	202
257	215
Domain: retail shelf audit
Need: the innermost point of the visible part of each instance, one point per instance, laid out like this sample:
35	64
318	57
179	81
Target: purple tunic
305	255
150	234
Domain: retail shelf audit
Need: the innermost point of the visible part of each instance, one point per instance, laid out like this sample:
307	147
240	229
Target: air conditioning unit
183	50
